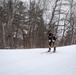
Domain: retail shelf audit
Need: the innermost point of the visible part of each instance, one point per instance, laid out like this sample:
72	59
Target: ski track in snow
36	62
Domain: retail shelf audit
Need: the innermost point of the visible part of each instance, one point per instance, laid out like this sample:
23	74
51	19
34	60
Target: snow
37	62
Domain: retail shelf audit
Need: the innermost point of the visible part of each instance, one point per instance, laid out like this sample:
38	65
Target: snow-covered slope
36	62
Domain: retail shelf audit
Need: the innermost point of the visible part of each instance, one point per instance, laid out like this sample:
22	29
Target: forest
26	23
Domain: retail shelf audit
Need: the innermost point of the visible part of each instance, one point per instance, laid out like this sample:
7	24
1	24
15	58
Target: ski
48	52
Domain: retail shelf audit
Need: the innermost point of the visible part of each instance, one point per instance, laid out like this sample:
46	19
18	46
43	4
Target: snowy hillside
36	62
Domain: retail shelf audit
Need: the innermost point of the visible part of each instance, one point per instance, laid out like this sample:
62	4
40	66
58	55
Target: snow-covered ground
36	62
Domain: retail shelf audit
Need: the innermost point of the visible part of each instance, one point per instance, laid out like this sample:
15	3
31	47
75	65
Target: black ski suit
52	40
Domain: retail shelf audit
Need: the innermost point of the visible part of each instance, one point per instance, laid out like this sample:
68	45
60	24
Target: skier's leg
49	47
54	47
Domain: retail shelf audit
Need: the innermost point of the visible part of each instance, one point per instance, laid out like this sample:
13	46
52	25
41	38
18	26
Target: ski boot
49	49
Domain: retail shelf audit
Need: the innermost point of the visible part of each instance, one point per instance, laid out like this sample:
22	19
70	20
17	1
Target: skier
52	40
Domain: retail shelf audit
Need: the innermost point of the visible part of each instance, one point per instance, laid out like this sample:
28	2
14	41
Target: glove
49	40
53	40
